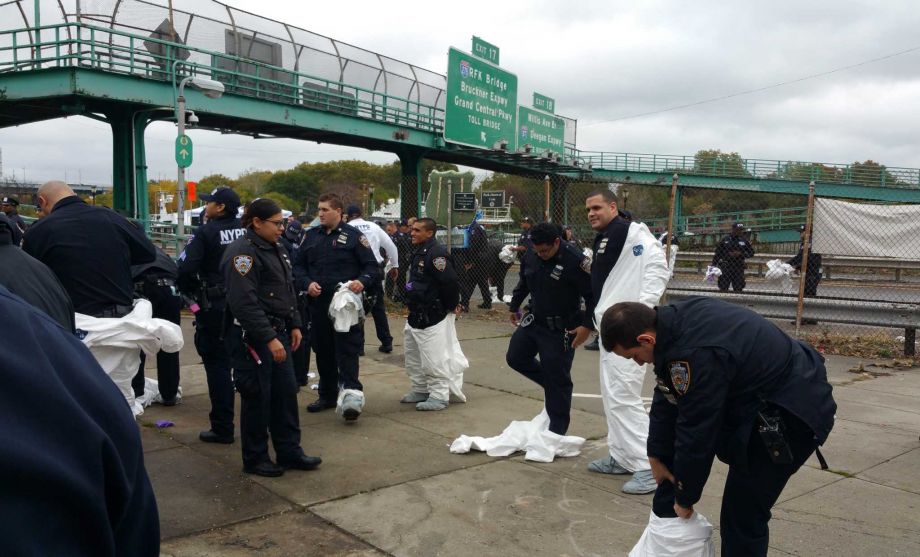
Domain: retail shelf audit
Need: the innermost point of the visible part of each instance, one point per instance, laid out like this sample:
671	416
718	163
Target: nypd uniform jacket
717	364
555	286
728	244
91	249
431	291
202	256
260	289
341	255
608	243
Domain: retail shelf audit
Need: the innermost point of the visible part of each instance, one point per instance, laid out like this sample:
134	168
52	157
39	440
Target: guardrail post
910	341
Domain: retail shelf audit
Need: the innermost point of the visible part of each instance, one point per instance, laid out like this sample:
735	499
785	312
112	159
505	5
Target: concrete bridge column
411	183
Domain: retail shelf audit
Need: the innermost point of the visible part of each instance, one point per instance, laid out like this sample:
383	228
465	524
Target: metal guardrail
853	312
828	262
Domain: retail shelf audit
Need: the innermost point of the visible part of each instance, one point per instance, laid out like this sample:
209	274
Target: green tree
871	173
251	184
284	201
717	163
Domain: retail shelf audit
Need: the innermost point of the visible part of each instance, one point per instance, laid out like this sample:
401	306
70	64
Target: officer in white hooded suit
629	266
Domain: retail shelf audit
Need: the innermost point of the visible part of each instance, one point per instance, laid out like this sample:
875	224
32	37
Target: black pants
268	400
750	491
470	279
168	306
552	371
336	353
732	275
216	360
379	313
811	284
301	356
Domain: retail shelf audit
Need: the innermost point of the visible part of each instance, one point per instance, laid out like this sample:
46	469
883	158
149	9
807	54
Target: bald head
50	193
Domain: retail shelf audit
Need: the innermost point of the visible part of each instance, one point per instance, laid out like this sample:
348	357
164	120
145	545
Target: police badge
440	263
242	264
637	250
586	265
680	376
364	242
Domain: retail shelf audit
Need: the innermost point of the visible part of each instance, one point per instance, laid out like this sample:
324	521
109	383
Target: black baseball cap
527	219
224	195
353	211
11	201
738	225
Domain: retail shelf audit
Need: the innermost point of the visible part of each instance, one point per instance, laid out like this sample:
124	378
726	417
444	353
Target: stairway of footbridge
130	80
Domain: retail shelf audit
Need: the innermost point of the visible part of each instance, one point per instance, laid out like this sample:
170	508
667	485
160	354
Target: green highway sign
540	130
485	50
184	151
481	103
545	104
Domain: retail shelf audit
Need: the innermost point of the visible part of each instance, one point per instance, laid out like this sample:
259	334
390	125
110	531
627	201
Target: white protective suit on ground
635	278
675	537
534	438
116	343
434	360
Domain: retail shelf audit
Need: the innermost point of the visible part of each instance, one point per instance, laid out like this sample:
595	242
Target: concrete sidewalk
389	486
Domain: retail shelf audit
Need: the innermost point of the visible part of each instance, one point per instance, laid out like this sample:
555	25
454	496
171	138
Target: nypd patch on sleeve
440	263
680	376
242	264
586	265
364	241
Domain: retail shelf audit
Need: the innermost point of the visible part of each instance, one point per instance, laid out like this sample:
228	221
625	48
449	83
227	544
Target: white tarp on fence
861	229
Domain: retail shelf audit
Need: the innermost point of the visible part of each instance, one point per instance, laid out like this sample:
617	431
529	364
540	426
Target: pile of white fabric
507	255
778	271
116	343
533	437
675	537
346	309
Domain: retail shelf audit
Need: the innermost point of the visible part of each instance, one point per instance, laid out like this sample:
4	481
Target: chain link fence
854	290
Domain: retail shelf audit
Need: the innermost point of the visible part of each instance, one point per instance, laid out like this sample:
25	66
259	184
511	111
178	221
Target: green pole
38	33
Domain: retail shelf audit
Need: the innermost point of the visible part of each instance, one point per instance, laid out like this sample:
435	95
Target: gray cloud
601	61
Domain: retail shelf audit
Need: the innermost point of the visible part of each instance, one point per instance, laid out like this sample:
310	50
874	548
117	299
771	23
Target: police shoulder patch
637	250
364	241
586	265
242	264
680	376
440	263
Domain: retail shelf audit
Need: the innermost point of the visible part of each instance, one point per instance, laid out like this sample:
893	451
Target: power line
757	90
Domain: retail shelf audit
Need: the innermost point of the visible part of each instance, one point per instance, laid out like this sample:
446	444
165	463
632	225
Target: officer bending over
557	276
331	254
432	294
733	385
201	281
265	331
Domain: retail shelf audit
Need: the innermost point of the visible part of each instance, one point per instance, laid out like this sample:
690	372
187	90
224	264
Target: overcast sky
605	62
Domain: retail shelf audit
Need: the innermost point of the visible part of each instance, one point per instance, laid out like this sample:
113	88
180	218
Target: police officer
90	249
524	241
472	259
72	468
729	257
557	276
432	294
201	280
293	234
10	207
265	331
403	241
157	282
747	393
813	272
330	254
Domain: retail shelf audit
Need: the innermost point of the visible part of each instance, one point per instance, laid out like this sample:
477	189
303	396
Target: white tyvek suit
635	278
434	361
116	343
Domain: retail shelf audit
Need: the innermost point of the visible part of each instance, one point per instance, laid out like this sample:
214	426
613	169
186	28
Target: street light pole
180	182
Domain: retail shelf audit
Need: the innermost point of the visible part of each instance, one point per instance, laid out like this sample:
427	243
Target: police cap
10	201
738	226
353	211
224	195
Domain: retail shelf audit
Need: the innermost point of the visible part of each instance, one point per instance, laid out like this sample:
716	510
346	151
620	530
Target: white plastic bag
506	255
346	309
712	273
675	537
778	271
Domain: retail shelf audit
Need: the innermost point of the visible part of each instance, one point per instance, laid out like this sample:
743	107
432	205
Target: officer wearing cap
10	207
524	241
729	257
557	276
332	254
747	393
403	241
201	281
290	240
813	272
90	249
